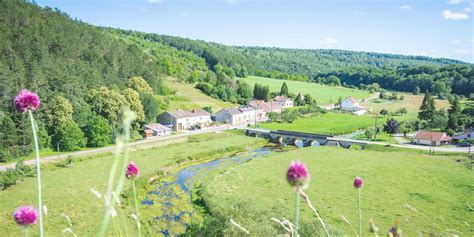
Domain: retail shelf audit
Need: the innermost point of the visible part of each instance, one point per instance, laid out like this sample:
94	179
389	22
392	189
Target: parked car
464	144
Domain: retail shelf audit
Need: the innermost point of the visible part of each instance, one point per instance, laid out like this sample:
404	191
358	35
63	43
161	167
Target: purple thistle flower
25	215
26	100
297	174
132	171
358	182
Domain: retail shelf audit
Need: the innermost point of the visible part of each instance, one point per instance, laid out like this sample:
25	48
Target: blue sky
436	28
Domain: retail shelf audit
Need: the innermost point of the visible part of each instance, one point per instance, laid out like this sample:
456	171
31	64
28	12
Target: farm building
431	138
156	130
351	104
183	120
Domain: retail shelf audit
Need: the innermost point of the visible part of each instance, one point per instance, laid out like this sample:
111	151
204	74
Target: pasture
428	195
330	123
187	97
322	93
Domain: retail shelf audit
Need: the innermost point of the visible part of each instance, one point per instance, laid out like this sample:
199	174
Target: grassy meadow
428	195
187	97
68	190
411	102
322	93
329	123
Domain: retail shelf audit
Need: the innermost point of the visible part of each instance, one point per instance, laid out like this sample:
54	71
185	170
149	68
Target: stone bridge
301	139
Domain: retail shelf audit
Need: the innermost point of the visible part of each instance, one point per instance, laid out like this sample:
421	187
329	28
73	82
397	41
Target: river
169	198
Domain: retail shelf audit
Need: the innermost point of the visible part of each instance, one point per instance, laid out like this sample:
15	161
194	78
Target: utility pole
375	128
255	116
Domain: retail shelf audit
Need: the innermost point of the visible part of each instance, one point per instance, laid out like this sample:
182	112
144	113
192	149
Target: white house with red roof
351	104
431	138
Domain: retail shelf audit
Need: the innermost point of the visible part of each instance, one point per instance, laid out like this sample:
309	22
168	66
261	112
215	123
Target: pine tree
453	114
284	89
427	108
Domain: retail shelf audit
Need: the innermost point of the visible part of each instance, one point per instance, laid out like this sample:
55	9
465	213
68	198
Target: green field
329	123
67	190
187	97
429	195
322	93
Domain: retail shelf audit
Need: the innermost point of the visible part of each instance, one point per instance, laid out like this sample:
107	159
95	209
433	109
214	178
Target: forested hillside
82	74
396	72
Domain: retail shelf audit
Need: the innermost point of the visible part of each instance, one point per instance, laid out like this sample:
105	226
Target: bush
97	131
71	138
12	176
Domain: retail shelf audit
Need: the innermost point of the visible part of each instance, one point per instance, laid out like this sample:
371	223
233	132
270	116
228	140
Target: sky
435	28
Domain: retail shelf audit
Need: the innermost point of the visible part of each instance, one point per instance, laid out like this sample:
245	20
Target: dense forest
396	72
84	74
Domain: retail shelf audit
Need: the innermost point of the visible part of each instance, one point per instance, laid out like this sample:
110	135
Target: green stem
38	172
297	211
108	195
25	230
360	216
136	207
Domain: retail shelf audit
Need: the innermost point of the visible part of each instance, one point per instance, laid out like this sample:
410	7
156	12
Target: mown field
329	123
322	93
68	190
187	97
428	195
411	102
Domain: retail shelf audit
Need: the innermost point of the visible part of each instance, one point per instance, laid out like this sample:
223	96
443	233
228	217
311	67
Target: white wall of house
426	142
188	122
225	116
348	105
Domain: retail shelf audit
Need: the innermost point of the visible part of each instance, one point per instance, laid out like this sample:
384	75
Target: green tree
391	126
107	103
140	85
70	137
454	113
58	112
207	108
151	107
8	139
133	99
383	112
439	119
244	91
416	90
309	99
427	108
284	89
97	131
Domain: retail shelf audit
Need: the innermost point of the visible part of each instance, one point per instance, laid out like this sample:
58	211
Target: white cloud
405	8
450	15
455	42
360	13
154	1
329	41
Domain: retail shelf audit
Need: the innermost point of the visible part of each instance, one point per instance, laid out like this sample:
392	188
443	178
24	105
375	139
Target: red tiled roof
190	113
435	136
352	99
281	99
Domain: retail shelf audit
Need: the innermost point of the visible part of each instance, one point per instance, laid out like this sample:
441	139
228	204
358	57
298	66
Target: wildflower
26	100
26	215
395	231
96	193
358	182
132	171
297	174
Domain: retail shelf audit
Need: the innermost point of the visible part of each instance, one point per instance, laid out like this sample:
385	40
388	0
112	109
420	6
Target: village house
183	120
285	101
230	116
351	104
431	138
156	130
